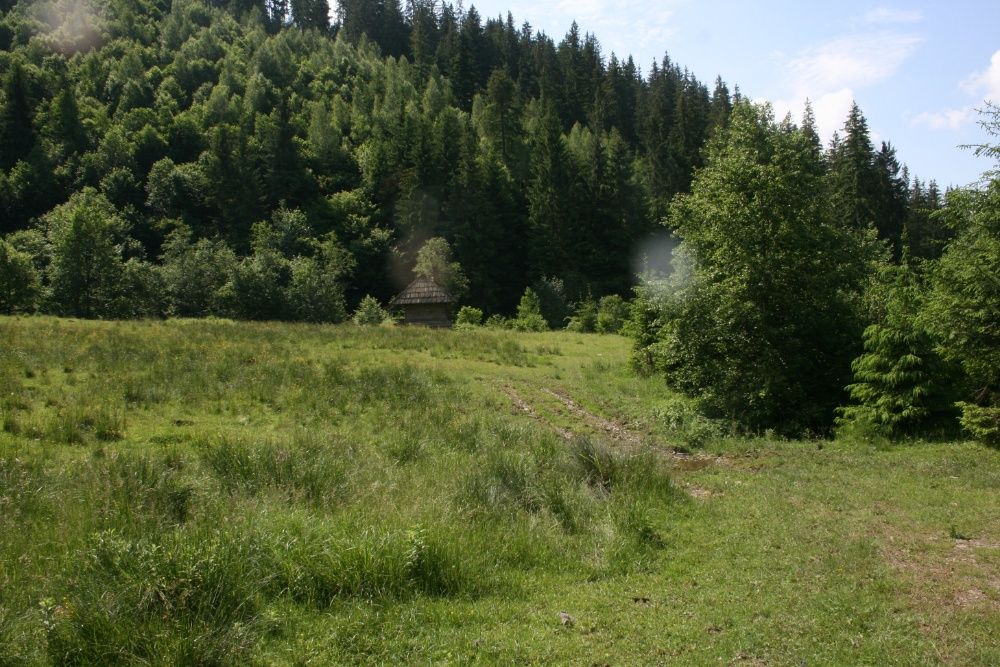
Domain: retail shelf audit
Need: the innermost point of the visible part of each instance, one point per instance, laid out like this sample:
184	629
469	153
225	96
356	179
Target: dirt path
619	435
616	431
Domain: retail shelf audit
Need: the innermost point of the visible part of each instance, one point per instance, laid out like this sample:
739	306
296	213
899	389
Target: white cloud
985	85
615	25
829	74
852	61
986	82
947	119
882	15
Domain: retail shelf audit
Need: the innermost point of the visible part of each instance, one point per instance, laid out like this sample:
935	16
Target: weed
306	468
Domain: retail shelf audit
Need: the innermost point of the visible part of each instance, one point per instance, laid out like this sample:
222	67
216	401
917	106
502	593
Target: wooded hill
250	159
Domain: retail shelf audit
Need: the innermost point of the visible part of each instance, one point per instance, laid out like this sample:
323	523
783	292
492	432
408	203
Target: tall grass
170	492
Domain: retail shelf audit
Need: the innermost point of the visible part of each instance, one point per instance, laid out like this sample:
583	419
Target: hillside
282	151
229	493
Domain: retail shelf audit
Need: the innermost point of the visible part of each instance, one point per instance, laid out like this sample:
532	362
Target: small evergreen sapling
901	384
529	313
371	313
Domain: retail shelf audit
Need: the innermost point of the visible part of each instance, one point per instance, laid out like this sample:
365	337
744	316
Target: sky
918	70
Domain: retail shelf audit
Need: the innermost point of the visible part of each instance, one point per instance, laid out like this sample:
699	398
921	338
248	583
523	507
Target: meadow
210	492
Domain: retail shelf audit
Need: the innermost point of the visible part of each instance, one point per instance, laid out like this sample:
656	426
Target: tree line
258	140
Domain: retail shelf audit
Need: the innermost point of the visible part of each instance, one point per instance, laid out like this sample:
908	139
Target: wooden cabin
425	303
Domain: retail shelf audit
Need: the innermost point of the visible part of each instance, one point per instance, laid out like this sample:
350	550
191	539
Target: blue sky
917	69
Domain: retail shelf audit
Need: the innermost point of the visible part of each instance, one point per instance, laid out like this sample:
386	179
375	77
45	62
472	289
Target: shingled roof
422	291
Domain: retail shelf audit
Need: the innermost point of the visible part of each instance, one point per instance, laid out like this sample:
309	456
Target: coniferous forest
256	160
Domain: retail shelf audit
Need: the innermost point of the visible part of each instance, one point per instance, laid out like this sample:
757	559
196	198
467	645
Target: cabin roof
422	291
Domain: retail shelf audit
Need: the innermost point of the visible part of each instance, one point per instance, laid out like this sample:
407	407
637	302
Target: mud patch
613	429
698	492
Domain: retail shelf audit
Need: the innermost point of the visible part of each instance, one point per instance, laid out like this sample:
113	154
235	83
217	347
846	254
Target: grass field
219	493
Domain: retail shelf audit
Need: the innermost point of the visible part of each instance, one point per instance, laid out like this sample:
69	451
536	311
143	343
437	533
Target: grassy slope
218	492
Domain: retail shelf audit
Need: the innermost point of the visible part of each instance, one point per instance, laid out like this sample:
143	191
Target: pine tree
853	178
17	133
901	385
547	192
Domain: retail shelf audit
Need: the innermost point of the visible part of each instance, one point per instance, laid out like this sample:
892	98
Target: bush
584	319
962	309
552	301
256	291
982	423
314	293
612	312
195	273
370	313
762	338
19	285
142	293
497	322
529	313
469	317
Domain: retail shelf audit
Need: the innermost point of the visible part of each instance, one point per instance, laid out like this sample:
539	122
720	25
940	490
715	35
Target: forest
257	160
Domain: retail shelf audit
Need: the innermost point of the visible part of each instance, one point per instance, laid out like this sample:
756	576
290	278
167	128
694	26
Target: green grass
219	493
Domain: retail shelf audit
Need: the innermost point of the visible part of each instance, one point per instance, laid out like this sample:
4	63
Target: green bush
612	312
19	284
982	422
962	309
552	302
469	317
314	293
497	322
256	290
901	384
529	314
584	319
195	274
370	313
85	236
766	337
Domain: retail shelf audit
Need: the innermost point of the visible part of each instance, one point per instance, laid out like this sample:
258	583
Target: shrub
19	285
982	423
497	322
195	273
256	290
963	307
370	313
142	293
85	273
584	319
469	317
314	293
529	313
764	330
612	312
552	301
901	385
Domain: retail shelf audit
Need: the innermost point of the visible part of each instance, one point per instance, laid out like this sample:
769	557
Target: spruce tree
17	133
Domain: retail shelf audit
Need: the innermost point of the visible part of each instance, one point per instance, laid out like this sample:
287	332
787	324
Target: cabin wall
428	315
